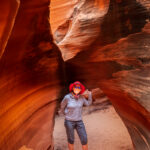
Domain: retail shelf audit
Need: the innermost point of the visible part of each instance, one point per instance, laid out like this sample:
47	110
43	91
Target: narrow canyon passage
104	45
45	45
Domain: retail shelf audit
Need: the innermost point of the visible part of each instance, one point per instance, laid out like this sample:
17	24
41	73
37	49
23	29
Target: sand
105	131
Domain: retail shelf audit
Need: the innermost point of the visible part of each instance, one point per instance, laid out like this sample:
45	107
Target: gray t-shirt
72	108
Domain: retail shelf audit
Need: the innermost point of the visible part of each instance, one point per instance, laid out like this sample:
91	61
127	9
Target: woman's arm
63	105
89	101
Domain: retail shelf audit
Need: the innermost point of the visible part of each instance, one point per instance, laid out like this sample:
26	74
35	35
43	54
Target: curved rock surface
9	10
81	25
117	61
30	79
104	44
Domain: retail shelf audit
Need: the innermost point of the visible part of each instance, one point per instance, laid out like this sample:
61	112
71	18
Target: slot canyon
47	44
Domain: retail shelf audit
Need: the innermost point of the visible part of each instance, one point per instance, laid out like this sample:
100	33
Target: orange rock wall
109	48
30	78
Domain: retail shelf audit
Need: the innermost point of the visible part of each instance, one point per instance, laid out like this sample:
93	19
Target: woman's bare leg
71	146
85	147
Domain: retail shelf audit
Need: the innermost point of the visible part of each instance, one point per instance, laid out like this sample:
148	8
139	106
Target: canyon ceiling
44	46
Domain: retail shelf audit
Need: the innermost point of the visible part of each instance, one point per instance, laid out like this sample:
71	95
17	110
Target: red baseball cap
75	83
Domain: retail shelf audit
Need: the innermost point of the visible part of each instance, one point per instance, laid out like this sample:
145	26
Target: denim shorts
80	128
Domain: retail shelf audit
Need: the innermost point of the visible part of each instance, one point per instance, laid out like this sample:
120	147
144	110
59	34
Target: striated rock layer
82	24
30	77
111	51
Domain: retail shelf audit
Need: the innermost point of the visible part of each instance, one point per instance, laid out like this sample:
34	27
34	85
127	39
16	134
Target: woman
71	107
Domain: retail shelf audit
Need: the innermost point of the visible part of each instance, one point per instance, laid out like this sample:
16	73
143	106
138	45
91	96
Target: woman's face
76	89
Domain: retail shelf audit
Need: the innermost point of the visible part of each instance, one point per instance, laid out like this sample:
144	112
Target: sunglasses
77	87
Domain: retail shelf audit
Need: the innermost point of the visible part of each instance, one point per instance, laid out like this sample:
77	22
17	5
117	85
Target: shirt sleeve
89	101
63	105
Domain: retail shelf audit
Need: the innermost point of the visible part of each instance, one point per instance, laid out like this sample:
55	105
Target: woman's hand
86	93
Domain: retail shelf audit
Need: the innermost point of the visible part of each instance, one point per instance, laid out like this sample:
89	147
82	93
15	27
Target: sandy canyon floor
105	130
